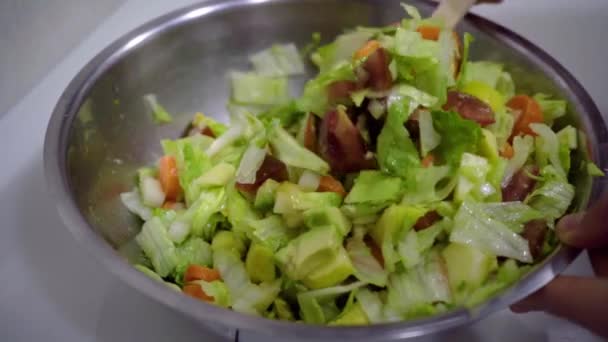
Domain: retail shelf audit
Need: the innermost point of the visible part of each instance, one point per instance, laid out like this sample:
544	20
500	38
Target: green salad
404	182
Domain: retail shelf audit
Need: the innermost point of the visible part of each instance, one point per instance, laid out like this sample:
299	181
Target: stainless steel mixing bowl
100	132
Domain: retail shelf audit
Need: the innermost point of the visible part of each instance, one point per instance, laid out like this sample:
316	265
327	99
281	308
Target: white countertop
53	290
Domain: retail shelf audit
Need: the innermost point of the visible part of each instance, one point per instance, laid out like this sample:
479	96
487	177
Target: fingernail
568	224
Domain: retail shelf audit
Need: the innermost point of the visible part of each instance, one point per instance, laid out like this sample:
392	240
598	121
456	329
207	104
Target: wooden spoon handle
452	11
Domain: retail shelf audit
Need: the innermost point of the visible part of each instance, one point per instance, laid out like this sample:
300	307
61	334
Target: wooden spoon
452	11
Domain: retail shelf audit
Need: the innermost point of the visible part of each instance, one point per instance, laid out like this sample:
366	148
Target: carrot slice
507	151
530	112
196	291
167	173
428	160
367	49
429	32
330	184
196	272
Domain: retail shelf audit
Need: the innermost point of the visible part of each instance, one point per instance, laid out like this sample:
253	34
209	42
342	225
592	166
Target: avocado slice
264	198
328	216
228	241
331	273
308	252
260	264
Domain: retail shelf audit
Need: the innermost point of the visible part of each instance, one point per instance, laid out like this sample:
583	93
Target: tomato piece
197	272
168	177
529	112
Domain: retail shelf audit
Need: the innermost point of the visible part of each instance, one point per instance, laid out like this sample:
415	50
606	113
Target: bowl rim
55	158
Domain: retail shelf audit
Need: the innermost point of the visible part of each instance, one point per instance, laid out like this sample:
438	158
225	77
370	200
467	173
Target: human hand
579	299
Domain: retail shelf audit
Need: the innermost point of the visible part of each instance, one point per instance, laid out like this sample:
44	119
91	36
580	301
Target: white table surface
51	289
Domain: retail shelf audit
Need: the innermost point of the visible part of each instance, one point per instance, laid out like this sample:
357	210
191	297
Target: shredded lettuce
473	226
552	198
367	268
458	135
159	113
271	232
289	151
157	246
429	138
250	163
201	121
133	202
314	97
250	88
428	185
513	214
547	148
218	290
374	187
552	109
397	154
411	292
194	251
278	60
143	269
331	56
522	149
371	304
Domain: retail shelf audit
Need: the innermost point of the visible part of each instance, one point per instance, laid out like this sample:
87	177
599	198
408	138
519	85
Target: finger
599	261
581	300
588	229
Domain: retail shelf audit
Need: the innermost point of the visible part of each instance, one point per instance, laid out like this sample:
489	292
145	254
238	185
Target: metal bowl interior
100	132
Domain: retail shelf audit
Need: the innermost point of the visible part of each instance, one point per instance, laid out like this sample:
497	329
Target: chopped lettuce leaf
194	251
327	217
157	246
278	60
374	187
290	199
371	304
250	164
143	269
191	160
474	227
429	138
594	171
522	148
552	198
513	214
331	56
552	109
428	185
239	211
314	98
411	290
133	202
218	290
547	148
219	175
367	268
201	121
463	77
397	153
287	149
458	135
159	113
271	232
250	88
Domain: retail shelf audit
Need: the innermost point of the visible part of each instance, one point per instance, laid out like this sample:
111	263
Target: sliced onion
309	180
250	164
152	192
